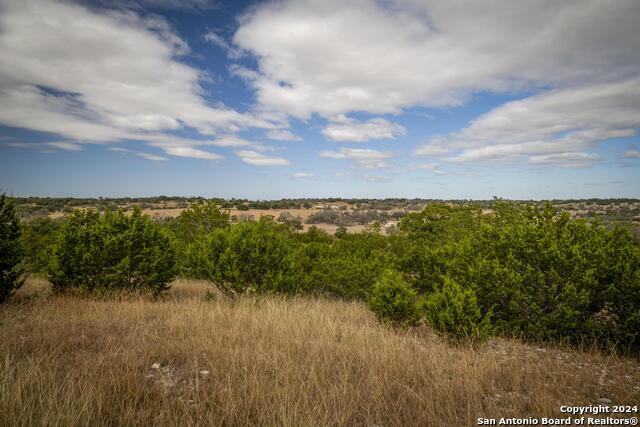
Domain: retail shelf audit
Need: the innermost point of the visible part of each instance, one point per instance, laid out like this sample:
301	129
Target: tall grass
76	361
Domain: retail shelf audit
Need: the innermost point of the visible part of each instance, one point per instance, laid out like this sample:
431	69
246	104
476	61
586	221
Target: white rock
155	366
204	372
604	400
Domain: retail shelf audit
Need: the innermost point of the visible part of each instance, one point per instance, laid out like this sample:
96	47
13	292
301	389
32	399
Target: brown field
271	361
255	213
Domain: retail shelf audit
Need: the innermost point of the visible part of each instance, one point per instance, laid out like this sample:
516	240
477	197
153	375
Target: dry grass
270	361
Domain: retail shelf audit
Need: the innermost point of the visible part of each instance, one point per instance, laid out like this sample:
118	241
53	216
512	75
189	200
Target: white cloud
559	121
632	154
231	141
191	152
60	145
282	135
363	157
431	149
333	57
119	150
257	159
102	75
152	157
332	155
350	130
166	4
216	40
572	160
303	175
148	156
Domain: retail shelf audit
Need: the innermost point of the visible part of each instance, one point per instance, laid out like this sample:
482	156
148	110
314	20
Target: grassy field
193	359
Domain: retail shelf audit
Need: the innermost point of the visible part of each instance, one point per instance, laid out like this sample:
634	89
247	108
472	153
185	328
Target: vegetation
470	270
10	249
518	269
453	310
286	321
393	299
250	256
112	252
38	238
269	361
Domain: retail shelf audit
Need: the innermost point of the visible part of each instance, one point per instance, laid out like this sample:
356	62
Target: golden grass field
271	361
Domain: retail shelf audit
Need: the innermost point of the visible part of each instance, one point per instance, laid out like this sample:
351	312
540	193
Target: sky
534	99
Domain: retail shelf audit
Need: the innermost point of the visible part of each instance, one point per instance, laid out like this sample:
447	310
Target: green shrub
454	312
346	267
112	252
192	227
542	275
249	256
201	217
393	299
10	249
39	236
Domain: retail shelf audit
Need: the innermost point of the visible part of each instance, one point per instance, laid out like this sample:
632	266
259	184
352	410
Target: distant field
190	360
609	211
254	213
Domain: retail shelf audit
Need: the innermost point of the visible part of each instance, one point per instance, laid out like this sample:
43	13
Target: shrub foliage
454	311
468	270
10	249
393	299
113	251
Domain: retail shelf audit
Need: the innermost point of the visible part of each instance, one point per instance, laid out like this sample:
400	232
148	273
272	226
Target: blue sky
275	99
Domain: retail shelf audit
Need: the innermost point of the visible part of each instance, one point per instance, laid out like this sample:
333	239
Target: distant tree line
358	216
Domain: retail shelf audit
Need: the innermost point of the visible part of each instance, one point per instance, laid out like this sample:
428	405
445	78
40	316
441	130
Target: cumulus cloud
364	157
231	141
350	130
102	75
191	152
282	135
550	123
431	149
257	159
333	57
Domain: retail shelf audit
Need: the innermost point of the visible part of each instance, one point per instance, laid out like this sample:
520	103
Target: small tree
294	222
454	311
112	252
249	256
201	217
393	299
38	237
10	249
